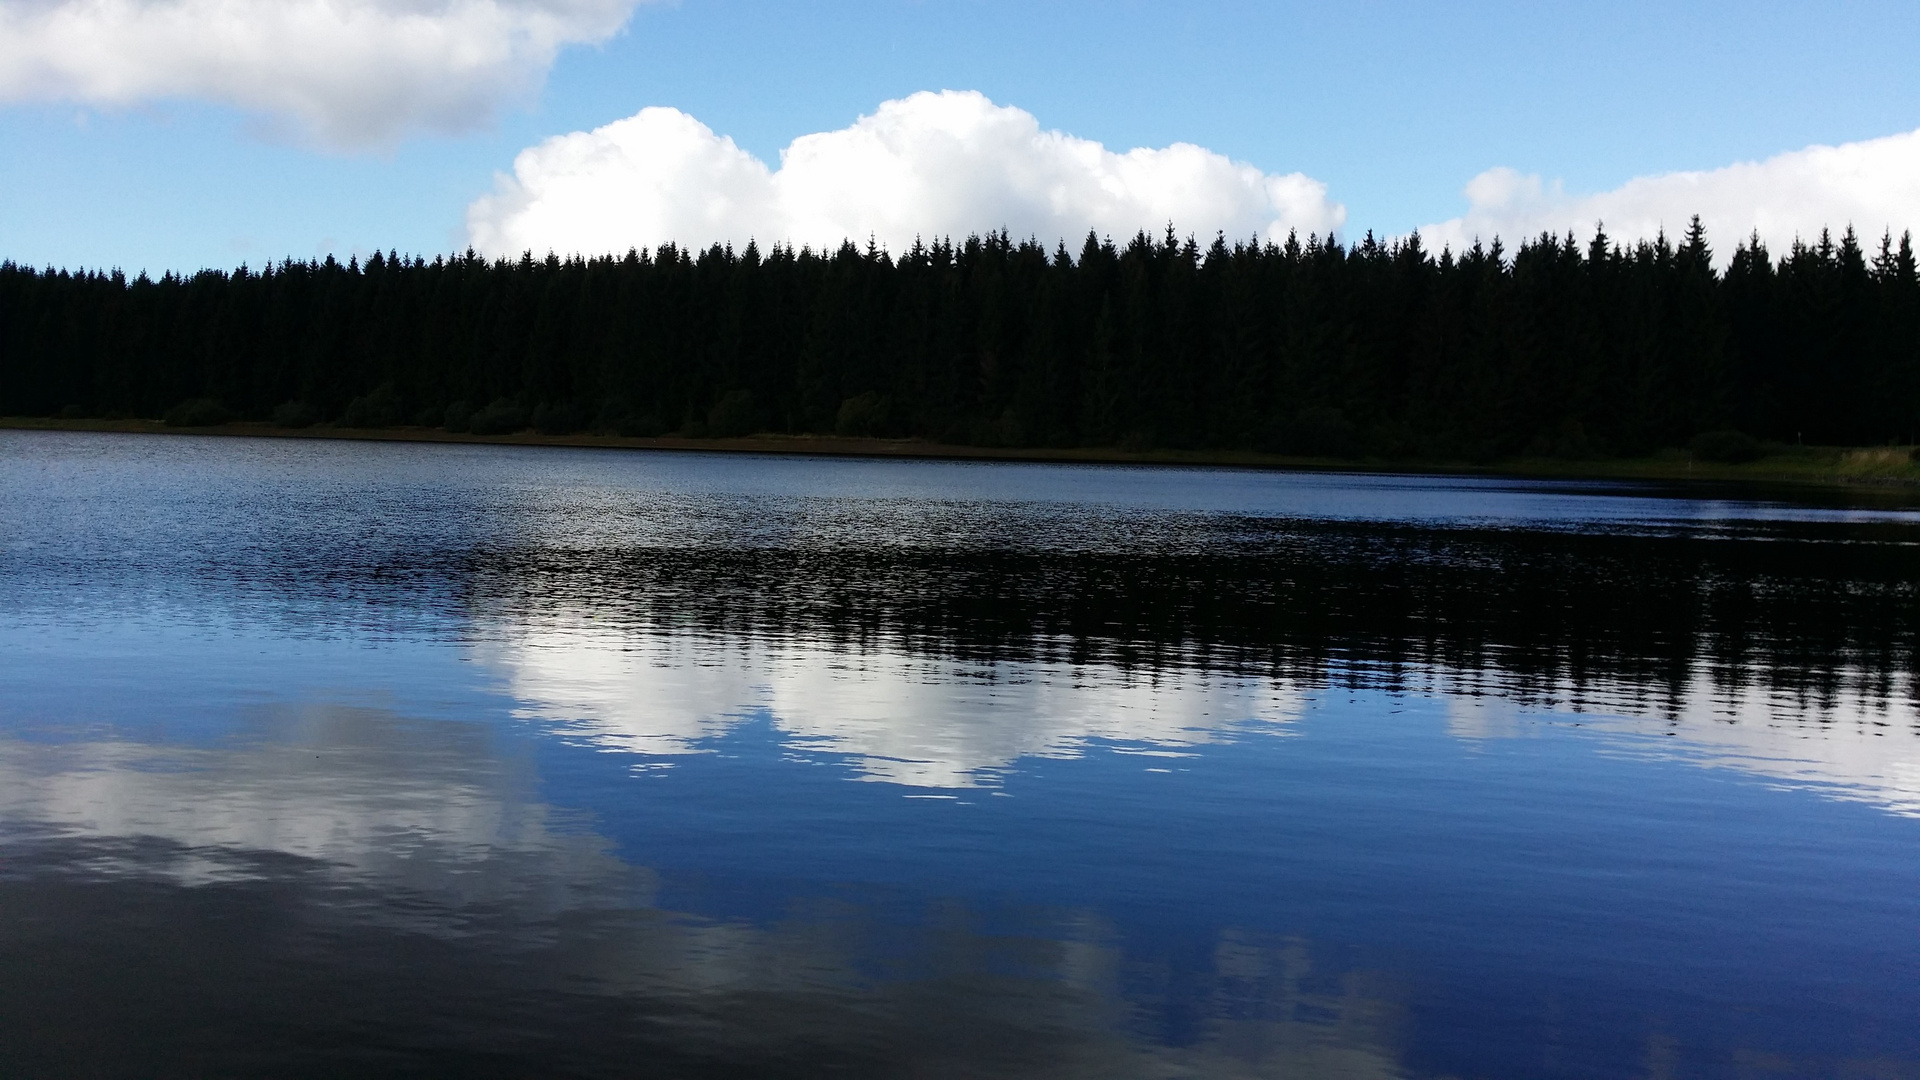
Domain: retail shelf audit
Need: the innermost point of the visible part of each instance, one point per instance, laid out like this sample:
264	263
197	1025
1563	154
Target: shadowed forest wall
1310	347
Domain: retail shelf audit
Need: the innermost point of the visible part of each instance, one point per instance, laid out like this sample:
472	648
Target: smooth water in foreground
323	758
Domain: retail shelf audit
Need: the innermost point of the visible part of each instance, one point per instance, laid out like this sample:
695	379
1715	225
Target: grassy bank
1889	468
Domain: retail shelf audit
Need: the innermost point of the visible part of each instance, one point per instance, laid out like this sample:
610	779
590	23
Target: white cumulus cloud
929	165
1872	185
348	73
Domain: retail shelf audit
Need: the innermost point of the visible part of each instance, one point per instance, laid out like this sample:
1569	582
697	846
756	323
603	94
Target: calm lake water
330	759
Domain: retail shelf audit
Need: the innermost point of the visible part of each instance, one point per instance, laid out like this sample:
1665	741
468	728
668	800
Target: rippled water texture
332	759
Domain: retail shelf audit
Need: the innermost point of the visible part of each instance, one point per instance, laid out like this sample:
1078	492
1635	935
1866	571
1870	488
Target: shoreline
1854	470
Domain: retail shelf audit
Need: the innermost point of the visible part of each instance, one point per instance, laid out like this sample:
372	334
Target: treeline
1310	347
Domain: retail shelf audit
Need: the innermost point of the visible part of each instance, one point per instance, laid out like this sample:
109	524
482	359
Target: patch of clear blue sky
1394	105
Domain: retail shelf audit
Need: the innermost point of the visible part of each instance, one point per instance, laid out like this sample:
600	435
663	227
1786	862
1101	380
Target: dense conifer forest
1561	347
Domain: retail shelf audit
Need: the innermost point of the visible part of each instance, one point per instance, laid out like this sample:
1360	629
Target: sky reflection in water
404	758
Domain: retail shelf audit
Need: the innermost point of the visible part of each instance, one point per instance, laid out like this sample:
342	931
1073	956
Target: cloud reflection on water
367	794
365	889
951	723
1853	745
900	718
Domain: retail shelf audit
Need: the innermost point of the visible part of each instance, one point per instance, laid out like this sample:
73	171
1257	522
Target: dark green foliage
501	417
1729	447
732	416
561	419
196	412
863	415
295	414
1570	441
617	416
644	426
1318	430
376	410
1307	347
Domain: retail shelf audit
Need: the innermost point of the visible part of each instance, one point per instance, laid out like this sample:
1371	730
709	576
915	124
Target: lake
329	758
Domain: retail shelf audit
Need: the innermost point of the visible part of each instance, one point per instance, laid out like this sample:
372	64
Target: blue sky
1394	107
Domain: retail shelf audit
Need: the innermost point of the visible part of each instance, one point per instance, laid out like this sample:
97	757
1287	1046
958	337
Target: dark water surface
355	759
